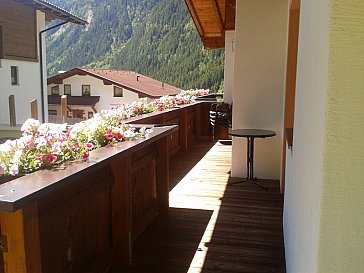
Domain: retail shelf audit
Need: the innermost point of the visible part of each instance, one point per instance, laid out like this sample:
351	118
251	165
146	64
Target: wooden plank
163	176
195	17
22	233
184	130
64	108
218	16
121	195
34	109
19	36
230	10
198	122
213	226
12	111
80	215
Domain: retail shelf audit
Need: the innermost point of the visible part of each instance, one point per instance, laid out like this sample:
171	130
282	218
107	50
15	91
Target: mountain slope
153	37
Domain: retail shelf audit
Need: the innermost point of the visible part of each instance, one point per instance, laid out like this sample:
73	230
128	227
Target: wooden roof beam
214	42
230	10
218	16
193	13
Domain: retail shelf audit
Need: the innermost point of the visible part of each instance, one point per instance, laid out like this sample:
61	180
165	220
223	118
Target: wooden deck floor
213	227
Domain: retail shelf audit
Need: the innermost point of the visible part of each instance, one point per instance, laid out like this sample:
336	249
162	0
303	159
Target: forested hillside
156	38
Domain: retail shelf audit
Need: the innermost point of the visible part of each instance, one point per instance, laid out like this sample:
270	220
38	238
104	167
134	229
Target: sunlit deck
213	226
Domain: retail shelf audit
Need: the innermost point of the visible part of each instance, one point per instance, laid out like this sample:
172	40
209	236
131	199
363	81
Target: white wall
106	92
229	66
40	27
28	88
304	165
259	69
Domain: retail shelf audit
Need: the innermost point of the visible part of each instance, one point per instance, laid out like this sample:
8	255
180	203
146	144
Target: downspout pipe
41	63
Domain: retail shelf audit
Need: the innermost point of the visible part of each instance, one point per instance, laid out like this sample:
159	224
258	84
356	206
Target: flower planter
85	214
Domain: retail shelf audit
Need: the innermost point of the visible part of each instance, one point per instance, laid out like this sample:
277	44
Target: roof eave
53	11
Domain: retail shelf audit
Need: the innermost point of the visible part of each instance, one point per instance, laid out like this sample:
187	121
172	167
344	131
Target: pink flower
119	136
109	137
89	146
50	158
85	155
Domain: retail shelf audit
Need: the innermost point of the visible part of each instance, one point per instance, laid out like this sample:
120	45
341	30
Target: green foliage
156	38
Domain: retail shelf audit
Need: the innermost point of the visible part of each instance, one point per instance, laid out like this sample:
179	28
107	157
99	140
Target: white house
22	59
91	90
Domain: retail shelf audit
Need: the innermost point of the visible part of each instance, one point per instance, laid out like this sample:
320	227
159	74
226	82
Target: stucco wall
304	164
27	90
229	66
106	92
40	27
341	243
323	210
259	65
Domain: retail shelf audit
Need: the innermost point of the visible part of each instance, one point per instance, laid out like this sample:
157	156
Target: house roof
52	11
140	84
75	100
212	18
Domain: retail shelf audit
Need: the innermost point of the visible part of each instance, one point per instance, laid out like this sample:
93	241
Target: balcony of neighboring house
78	108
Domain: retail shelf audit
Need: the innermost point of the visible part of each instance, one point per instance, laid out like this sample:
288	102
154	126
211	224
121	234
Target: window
86	90
52	112
67	89
118	91
14	75
55	90
90	114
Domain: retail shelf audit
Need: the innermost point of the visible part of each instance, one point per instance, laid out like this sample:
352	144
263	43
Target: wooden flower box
83	217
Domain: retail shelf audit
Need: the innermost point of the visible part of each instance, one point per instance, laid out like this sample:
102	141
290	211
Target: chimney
163	85
138	76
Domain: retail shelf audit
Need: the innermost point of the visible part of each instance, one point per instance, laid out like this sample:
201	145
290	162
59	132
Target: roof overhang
53	12
212	18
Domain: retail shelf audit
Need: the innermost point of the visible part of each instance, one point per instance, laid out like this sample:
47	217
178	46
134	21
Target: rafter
218	16
193	13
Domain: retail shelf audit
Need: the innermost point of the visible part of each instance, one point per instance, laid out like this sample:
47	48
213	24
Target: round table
251	134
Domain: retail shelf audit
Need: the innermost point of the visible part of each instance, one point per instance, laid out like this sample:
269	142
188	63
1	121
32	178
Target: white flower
17	155
30	126
14	169
6	147
40	142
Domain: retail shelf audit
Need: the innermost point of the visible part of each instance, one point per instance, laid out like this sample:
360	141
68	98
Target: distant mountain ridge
156	38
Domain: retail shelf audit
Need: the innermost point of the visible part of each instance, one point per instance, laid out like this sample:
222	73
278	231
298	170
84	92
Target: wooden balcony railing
84	216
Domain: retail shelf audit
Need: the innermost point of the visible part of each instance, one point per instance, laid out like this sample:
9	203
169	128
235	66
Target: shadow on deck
213	226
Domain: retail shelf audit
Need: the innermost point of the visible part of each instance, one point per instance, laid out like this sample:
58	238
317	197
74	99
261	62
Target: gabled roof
52	11
212	18
142	85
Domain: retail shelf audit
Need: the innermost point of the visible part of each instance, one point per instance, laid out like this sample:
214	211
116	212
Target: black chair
220	115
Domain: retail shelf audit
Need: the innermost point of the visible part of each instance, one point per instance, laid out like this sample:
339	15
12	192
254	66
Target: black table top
252	133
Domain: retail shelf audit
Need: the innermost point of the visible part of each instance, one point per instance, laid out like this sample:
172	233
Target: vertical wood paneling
122	210
163	175
144	190
80	215
19	30
22	233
